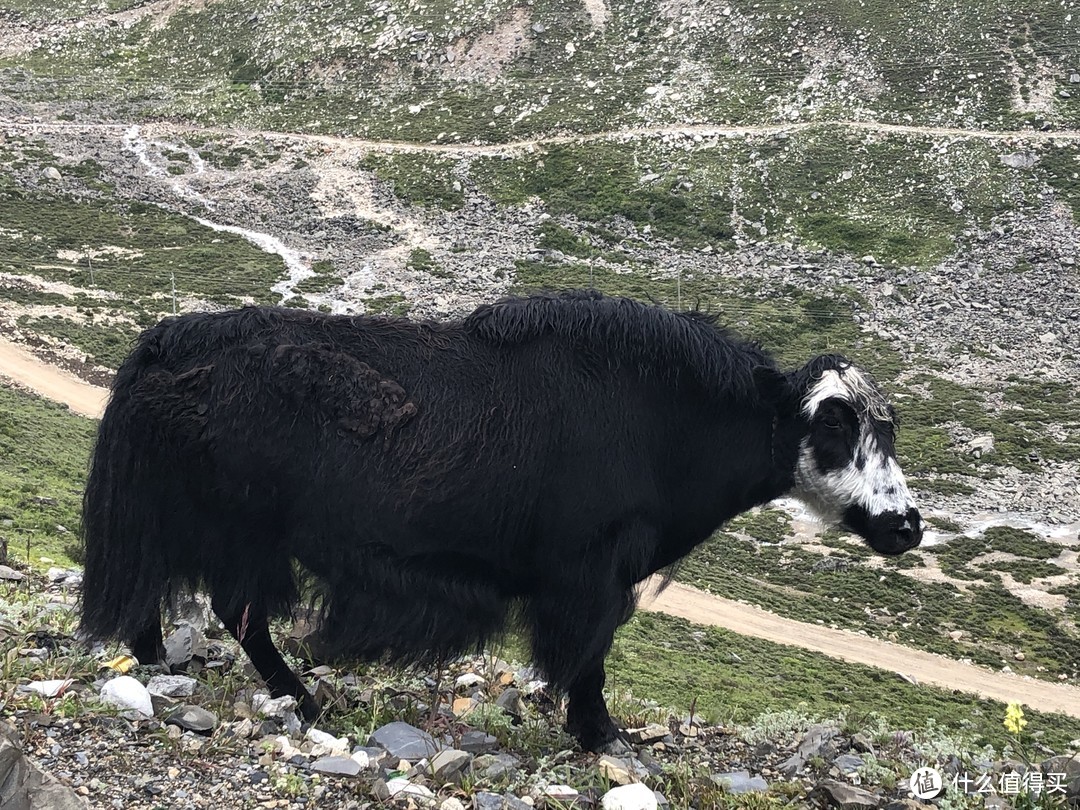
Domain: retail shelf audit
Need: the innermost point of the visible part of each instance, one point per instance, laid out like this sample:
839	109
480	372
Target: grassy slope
735	678
44	450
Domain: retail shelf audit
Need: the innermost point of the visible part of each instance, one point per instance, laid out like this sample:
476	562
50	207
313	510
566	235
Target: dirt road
17	364
163	129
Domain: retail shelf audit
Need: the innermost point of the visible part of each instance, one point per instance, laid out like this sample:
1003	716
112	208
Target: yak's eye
831	421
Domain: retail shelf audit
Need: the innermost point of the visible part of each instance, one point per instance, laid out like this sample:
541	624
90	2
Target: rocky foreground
481	734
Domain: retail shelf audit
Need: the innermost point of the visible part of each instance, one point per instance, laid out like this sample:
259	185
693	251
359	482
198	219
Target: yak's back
622	330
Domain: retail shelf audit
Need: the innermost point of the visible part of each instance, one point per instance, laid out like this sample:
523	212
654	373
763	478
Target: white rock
276	707
324	743
981	445
630	797
51	172
48	689
400	786
469	679
451	803
127	693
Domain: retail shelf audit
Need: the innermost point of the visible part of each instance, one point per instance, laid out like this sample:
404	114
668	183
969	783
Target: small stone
449	765
127	693
193	718
816	742
331	744
185	645
849	763
404	741
338	766
50	689
11	574
462	706
469	680
496	766
647	734
1019	656
614	770
981	445
380	791
51	173
493	801
837	794
171	686
861	743
400	786
740	782
276	708
478	742
630	797
1048	338
510	701
451	803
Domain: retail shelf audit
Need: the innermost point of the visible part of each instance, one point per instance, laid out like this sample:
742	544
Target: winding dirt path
22	367
704	131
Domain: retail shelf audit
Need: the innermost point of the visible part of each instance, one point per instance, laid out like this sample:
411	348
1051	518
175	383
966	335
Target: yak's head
845	468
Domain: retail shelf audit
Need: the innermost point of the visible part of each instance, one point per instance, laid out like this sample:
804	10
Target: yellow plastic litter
122	663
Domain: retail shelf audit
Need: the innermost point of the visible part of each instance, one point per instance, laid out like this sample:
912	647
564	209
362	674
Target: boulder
23	786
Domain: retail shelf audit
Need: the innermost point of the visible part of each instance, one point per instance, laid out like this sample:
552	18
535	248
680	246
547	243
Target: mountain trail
695	131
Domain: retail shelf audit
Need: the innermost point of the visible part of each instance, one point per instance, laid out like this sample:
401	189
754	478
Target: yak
430	481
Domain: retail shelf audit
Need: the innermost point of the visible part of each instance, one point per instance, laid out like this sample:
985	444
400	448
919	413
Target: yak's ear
775	388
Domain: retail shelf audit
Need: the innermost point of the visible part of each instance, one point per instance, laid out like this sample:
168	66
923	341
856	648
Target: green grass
676	663
888	604
418	178
44	451
325	279
105	344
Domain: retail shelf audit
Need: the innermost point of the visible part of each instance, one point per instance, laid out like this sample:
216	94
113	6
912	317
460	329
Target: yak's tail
125	506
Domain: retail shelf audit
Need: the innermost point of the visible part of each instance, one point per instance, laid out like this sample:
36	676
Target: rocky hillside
459	70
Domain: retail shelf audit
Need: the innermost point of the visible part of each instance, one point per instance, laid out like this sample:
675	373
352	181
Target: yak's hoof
309	708
616	748
606	741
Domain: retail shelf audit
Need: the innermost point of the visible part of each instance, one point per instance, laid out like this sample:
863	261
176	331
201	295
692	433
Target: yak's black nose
910	533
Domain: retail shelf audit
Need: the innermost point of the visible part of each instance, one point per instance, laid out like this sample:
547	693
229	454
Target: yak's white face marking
870	476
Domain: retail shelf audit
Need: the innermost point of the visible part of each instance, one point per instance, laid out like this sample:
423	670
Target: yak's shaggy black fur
543	455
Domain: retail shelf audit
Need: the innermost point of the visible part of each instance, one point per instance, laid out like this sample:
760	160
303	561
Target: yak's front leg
587	716
572	631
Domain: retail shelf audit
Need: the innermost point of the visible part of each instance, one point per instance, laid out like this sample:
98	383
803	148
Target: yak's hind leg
572	631
149	646
249	625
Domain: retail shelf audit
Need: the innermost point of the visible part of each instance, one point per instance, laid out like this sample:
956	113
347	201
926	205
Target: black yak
540	457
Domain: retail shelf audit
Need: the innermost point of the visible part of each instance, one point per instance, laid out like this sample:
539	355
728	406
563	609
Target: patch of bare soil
485	57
